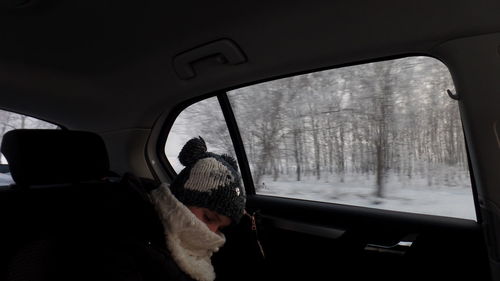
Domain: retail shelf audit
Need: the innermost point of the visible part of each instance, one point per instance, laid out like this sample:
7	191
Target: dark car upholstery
64	217
38	157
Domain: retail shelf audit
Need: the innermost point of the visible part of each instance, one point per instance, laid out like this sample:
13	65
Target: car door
316	241
353	173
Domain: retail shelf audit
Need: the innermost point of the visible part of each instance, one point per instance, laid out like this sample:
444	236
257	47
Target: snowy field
414	196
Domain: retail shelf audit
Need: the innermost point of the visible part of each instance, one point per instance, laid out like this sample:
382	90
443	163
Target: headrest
39	157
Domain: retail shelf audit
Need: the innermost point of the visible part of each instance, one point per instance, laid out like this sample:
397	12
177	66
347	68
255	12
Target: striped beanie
209	181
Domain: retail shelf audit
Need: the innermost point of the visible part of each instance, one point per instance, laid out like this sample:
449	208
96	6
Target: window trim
162	137
237	141
238	145
474	189
234	133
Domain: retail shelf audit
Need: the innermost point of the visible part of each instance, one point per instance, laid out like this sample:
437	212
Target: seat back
48	168
64	211
39	157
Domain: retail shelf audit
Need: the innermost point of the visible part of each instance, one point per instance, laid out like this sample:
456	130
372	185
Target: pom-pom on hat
209	181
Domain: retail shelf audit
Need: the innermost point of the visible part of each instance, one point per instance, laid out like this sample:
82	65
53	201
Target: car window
203	119
384	135
10	121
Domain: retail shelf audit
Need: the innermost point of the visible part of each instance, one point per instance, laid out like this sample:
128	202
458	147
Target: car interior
114	76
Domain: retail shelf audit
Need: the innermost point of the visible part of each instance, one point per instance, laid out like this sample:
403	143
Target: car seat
65	217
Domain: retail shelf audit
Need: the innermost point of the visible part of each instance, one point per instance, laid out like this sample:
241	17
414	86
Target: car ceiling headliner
107	65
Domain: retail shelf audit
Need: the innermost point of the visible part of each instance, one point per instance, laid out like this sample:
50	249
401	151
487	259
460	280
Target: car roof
108	65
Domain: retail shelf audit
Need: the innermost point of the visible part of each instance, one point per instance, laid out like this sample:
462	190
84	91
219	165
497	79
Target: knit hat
209	181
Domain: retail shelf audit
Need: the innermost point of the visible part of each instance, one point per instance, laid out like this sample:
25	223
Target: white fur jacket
189	240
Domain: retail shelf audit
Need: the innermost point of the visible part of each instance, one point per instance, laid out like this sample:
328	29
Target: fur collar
189	240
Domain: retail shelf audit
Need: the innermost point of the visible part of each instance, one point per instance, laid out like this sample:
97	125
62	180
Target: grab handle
226	52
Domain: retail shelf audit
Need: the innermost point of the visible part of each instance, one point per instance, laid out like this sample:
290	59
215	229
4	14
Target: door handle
399	248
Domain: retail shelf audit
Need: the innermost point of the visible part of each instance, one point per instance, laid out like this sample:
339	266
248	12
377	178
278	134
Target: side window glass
203	119
383	135
10	121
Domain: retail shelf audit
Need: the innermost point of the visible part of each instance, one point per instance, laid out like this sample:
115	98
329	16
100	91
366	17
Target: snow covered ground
414	196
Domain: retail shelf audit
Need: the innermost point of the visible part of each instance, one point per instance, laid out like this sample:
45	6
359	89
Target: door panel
305	240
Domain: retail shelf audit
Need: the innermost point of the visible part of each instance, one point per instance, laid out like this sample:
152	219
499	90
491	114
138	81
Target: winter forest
383	134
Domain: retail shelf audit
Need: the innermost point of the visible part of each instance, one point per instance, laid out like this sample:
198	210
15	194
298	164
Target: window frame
238	144
232	126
